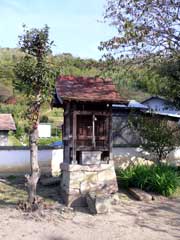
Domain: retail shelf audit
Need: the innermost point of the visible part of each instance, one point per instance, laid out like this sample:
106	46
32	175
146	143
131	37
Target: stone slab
86	168
140	195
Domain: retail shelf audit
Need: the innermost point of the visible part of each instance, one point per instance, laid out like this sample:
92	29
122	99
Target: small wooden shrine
87	135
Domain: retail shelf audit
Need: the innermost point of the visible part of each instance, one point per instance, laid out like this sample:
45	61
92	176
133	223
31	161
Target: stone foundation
78	180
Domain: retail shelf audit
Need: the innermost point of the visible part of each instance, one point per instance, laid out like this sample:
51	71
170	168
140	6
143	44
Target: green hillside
66	64
129	83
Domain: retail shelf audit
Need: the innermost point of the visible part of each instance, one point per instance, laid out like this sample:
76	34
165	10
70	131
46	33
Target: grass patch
162	179
13	190
10	194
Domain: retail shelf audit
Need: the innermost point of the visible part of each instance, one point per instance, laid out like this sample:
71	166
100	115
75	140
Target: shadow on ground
13	190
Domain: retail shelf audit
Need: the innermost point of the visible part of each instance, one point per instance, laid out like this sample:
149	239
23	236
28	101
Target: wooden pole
66	131
93	132
74	160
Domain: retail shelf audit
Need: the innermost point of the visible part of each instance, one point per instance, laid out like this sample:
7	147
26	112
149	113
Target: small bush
44	119
11	177
161	179
159	136
47	141
56	132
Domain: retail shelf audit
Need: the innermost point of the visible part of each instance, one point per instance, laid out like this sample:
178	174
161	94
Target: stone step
140	195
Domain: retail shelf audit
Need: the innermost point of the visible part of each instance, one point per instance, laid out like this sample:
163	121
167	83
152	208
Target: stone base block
98	203
79	180
73	200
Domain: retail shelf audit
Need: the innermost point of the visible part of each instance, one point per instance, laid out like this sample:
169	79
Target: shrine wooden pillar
67	132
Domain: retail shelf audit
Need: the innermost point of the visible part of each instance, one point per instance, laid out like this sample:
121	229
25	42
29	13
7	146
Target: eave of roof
81	89
6	122
164	114
155	97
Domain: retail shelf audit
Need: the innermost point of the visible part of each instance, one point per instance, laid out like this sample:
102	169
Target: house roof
7	122
144	108
155	97
131	104
11	100
173	115
135	104
87	89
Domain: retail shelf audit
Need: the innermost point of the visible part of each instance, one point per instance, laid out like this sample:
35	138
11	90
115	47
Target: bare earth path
130	220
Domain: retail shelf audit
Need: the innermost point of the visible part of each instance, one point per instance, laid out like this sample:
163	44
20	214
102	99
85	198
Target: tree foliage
129	82
35	78
144	27
159	136
169	79
148	32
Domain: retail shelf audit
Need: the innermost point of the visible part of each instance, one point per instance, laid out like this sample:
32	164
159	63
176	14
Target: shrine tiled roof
6	122
86	89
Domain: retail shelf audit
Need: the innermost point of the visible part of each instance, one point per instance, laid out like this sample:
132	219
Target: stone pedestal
78	180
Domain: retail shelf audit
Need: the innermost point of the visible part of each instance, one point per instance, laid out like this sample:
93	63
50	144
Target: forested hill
130	83
133	83
8	58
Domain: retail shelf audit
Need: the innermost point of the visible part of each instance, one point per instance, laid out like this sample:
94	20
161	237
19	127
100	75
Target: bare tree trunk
32	179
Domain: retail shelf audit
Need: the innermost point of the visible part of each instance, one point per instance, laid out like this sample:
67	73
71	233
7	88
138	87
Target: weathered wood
66	136
110	135
86	130
74	160
98	113
91	148
93	131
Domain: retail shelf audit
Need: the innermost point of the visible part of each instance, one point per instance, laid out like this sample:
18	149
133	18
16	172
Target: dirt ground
127	220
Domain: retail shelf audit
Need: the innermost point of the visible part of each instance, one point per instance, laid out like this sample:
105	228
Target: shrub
159	136
56	132
47	141
161	179
19	131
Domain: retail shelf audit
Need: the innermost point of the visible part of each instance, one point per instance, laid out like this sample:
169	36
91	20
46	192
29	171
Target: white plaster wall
44	130
124	156
127	152
127	156
57	159
18	161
